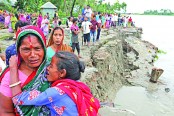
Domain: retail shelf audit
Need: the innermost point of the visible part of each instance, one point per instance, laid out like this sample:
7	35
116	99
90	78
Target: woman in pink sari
108	21
7	20
39	20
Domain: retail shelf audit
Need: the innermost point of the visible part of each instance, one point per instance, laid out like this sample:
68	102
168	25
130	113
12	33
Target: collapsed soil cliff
106	75
115	61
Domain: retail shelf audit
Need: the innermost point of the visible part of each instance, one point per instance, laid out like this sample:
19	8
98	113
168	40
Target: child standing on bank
74	38
86	25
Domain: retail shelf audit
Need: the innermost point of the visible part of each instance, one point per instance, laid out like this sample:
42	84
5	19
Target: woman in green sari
31	52
13	20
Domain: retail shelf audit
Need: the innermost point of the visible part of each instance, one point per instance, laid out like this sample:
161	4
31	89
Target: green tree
71	7
124	6
29	5
71	13
160	12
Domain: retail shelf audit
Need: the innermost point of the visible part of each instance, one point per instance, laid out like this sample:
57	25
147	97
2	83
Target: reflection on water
153	100
145	102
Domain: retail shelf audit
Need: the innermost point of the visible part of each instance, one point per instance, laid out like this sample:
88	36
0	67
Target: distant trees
70	7
159	12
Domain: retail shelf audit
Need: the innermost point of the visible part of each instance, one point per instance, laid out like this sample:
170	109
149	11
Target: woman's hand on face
13	62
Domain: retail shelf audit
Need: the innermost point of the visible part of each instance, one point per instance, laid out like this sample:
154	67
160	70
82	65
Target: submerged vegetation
159	52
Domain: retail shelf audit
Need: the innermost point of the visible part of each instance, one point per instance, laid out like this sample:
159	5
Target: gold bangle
17	83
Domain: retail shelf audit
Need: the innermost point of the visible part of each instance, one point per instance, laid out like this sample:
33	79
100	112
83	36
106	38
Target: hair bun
81	66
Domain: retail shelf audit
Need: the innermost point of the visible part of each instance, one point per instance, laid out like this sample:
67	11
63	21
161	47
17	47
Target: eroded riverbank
119	58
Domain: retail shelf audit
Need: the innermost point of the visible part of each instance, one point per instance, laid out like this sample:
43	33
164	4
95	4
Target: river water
153	100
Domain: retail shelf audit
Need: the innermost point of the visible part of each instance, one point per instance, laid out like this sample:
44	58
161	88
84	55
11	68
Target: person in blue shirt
83	11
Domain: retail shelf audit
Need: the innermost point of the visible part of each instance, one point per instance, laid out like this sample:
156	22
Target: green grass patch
159	52
4	36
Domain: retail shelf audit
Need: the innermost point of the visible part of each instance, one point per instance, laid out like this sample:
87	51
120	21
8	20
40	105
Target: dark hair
22	38
74	20
20	24
16	15
70	62
100	17
60	22
50	42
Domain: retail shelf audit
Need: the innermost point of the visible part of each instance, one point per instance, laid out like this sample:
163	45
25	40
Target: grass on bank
159	52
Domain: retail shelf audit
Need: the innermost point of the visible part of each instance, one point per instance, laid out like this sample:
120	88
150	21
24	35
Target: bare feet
79	56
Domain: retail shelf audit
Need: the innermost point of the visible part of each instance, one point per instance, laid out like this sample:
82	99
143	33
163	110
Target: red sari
80	93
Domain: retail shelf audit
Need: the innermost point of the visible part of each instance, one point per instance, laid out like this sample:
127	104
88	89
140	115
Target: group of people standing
91	24
43	79
43	22
9	19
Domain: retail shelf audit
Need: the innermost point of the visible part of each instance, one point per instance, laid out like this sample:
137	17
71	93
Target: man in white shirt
88	12
115	19
70	22
86	25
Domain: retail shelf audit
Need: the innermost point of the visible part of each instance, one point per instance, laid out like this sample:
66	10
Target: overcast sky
142	5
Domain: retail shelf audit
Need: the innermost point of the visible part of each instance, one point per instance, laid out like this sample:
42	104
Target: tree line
159	12
67	7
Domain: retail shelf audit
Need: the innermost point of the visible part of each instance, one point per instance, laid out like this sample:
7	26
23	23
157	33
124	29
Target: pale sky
142	5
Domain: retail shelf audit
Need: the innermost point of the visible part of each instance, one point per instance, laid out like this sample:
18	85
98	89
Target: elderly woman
55	43
67	96
31	53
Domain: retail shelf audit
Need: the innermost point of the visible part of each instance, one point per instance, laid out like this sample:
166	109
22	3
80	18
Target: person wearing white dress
44	26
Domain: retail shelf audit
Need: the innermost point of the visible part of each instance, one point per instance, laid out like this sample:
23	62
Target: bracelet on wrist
15	84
